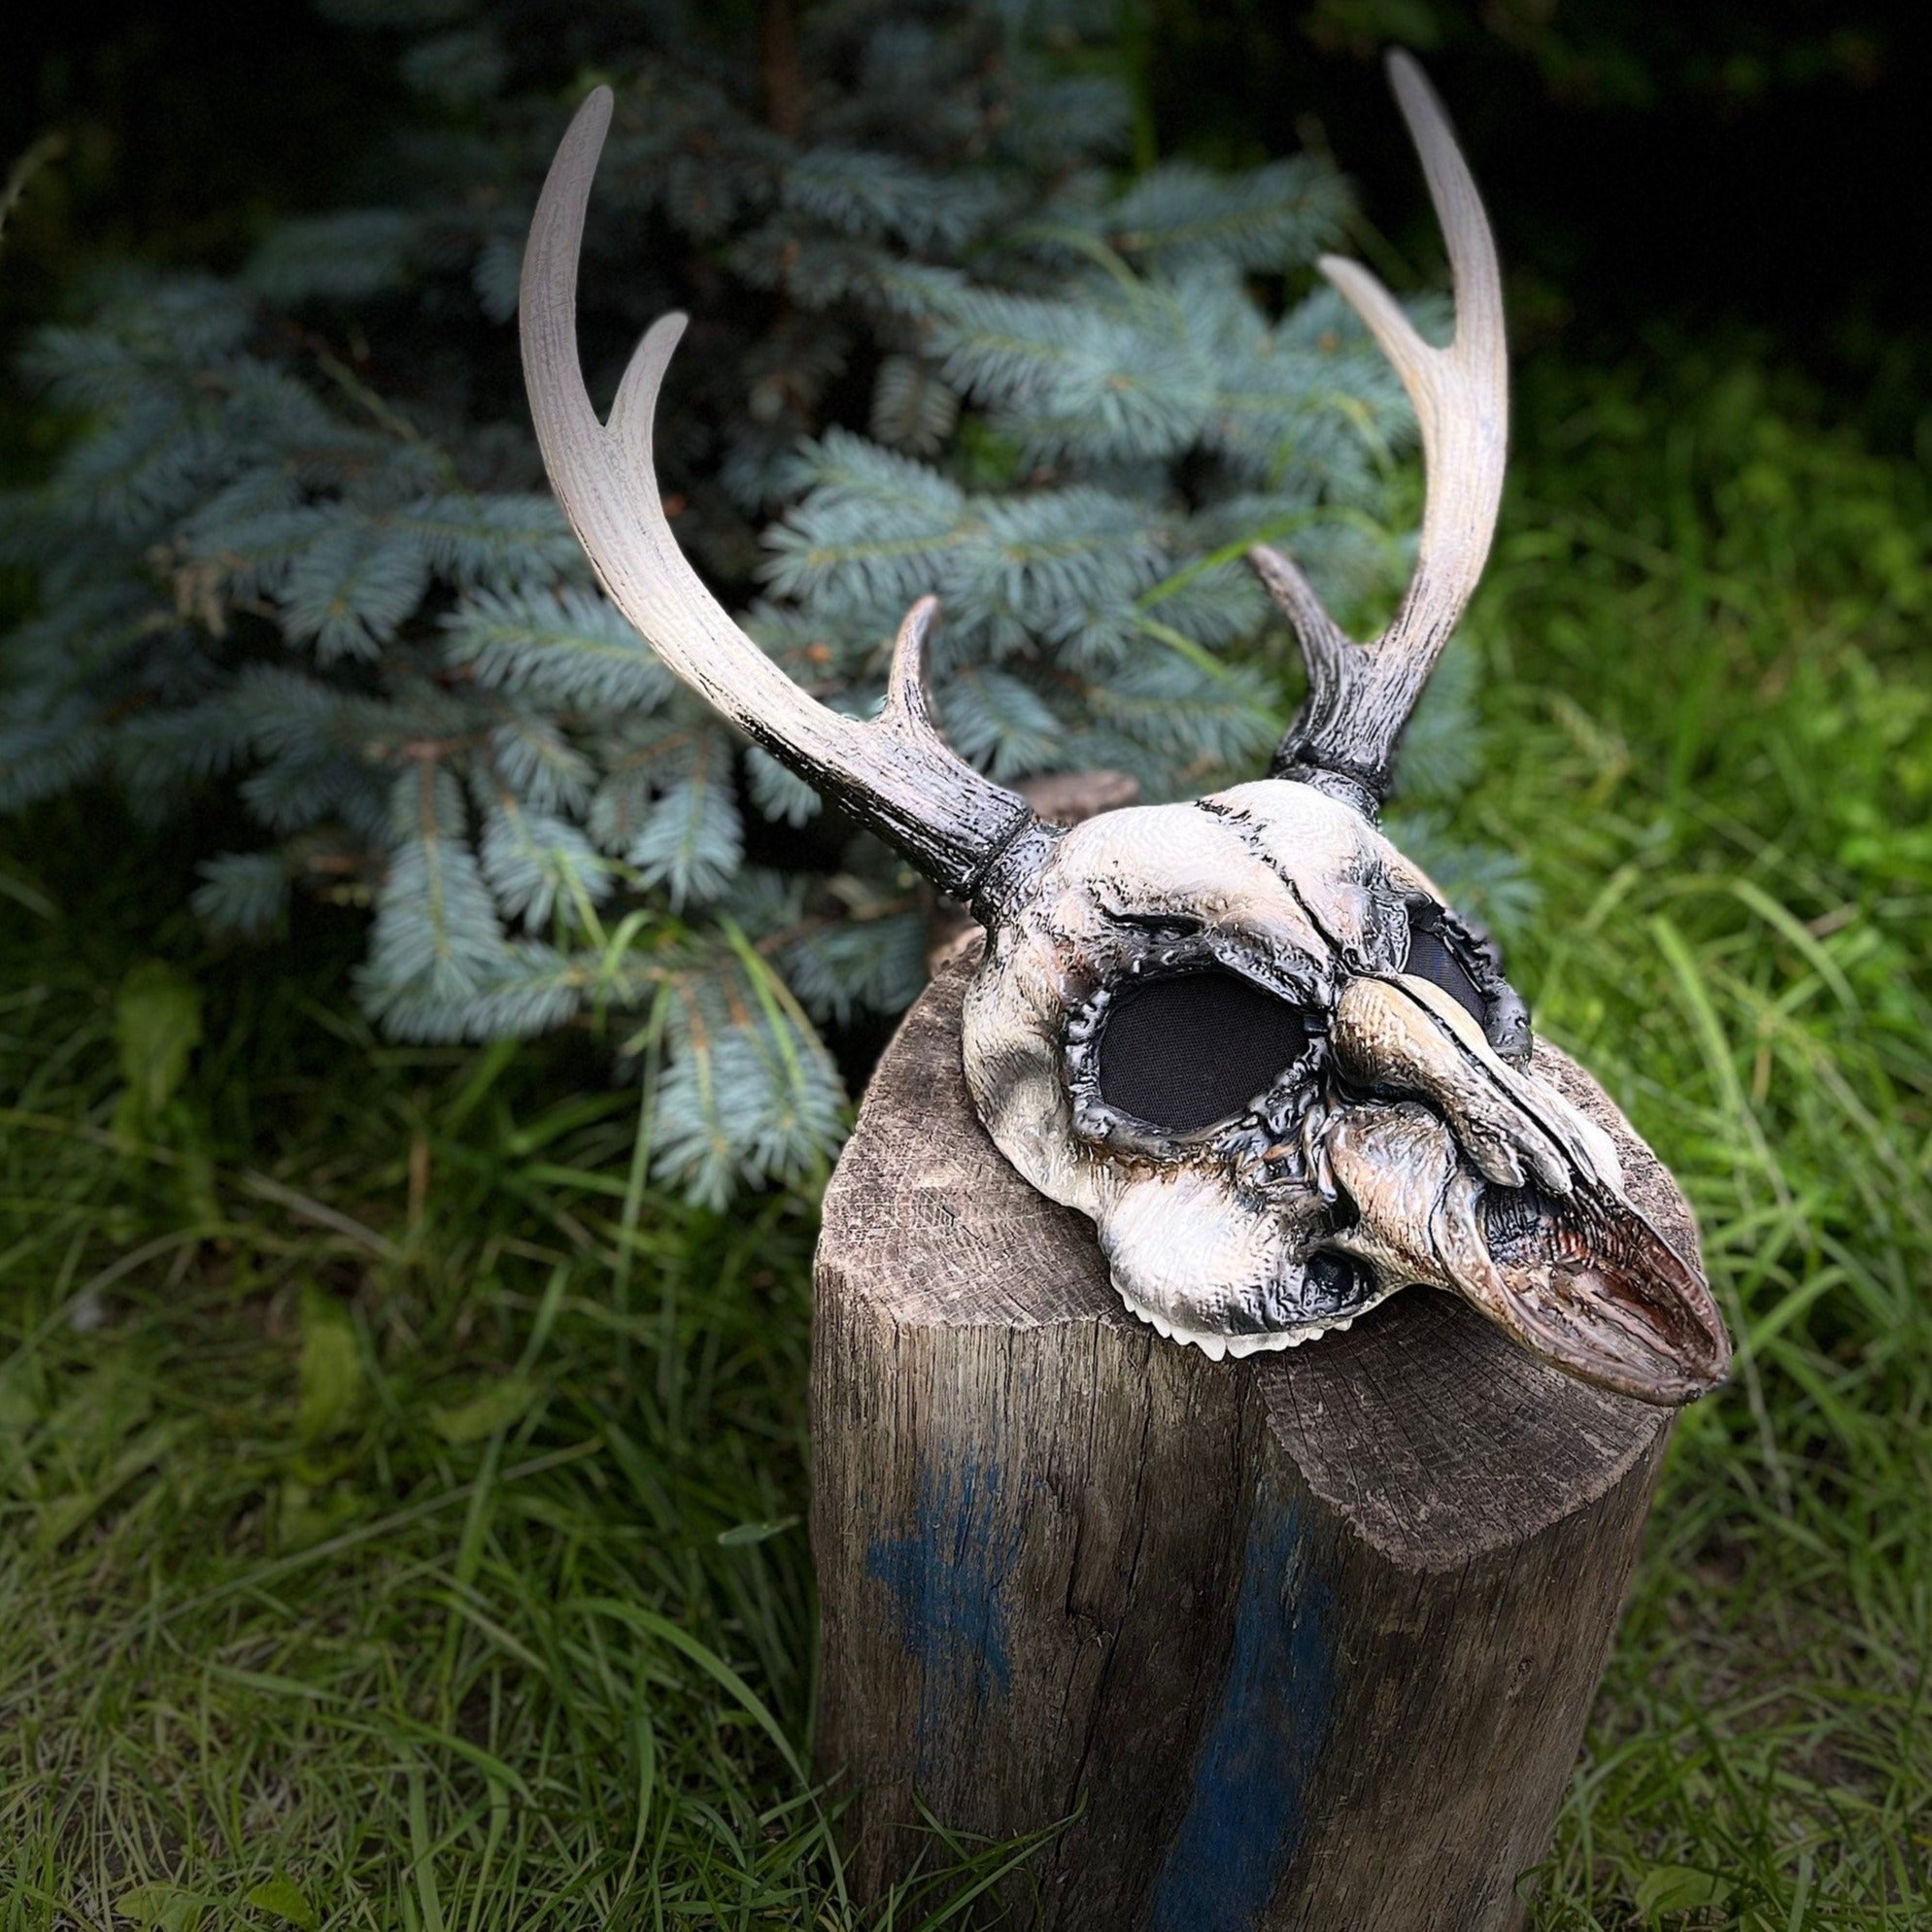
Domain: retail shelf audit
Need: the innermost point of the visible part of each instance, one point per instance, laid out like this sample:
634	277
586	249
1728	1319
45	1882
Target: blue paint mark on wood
946	1578
1247	1812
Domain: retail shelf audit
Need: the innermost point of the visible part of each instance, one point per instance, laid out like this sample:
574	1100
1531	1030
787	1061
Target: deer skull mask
1244	1035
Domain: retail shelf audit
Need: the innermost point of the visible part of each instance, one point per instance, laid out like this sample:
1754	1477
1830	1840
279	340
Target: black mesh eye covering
1186	1050
1430	959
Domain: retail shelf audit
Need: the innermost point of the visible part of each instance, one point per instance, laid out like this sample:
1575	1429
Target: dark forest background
1711	165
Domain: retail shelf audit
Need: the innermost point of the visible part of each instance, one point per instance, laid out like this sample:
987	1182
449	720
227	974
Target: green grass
402	1507
1708	631
362	1528
398	1507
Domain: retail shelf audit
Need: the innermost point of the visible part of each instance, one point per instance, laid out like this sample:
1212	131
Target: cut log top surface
1437	1436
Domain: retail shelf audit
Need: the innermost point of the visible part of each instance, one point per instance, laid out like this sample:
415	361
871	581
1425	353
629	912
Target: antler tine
1360	695
897	775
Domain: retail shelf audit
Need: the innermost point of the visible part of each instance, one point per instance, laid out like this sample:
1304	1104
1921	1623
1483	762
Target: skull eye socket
1430	959
1185	1050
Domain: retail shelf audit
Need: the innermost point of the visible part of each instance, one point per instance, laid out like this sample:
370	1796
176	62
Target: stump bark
1307	1641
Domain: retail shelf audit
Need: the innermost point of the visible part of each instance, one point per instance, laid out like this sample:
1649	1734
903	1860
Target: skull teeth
1217	1346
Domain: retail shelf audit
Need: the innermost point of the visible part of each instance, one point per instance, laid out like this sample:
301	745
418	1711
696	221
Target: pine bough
1081	400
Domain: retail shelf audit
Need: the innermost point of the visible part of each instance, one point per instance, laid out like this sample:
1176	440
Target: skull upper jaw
1233	1277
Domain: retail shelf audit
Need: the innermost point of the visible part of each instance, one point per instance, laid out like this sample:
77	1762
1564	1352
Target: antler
1360	695
897	775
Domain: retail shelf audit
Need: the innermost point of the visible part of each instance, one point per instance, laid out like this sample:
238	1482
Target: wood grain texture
1307	1641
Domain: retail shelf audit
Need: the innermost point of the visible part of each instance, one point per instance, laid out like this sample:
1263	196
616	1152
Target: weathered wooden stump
1307	1641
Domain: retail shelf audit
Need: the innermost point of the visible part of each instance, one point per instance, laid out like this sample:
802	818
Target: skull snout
1471	1176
